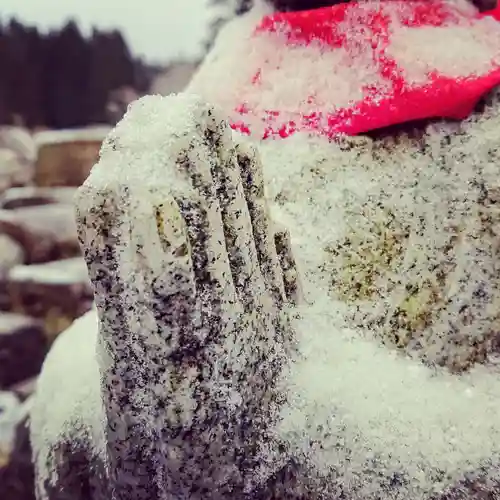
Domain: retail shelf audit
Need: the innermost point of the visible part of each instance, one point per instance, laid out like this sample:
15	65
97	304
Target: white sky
157	29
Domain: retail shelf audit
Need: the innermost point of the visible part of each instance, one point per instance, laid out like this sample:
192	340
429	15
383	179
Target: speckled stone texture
194	289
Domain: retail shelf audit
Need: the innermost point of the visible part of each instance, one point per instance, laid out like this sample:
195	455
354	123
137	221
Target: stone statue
219	364
193	287
205	377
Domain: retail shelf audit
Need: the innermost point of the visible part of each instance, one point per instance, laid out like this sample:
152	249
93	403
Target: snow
62	272
68	395
31	196
280	66
90	134
18	140
470	50
413	421
142	144
368	398
10	322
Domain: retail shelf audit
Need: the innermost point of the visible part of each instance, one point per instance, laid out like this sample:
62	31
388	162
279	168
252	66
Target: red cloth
440	97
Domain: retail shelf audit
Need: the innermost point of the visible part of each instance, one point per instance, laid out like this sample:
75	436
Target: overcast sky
158	29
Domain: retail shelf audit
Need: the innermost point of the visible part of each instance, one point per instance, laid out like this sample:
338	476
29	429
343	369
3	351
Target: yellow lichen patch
170	228
365	255
414	314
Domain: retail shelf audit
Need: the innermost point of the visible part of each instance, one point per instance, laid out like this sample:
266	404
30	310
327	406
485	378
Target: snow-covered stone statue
193	287
219	364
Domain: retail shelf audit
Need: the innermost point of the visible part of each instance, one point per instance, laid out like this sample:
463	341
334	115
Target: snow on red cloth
395	92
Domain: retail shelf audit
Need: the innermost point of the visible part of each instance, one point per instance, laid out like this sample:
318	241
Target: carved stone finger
97	218
288	266
239	238
203	209
253	185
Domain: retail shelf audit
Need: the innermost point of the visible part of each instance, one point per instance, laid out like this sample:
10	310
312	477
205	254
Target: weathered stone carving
192	286
194	289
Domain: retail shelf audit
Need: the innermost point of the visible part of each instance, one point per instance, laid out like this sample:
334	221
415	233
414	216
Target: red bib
356	67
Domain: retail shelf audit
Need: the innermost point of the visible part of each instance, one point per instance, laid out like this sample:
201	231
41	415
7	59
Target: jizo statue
305	316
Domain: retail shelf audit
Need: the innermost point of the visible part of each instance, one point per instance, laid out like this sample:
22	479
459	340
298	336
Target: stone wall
43	279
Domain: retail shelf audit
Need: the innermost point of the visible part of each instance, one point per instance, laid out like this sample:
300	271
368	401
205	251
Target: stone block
66	157
55	292
23	346
45	233
35	196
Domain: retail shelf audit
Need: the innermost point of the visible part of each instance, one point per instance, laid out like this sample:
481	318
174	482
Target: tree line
63	79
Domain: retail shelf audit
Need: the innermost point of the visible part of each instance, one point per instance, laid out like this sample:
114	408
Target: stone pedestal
45	233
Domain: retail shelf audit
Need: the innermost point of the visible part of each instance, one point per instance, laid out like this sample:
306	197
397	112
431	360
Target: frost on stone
192	303
397	243
203	385
418	262
261	86
67	419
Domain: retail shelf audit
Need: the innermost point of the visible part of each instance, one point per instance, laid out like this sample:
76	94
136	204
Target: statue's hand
192	287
